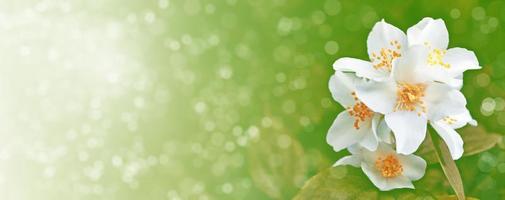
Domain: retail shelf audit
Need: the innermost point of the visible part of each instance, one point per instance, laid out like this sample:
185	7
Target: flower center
435	58
409	96
384	59
359	111
389	166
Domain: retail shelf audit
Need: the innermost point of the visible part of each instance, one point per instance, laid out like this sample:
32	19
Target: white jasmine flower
445	65
410	98
385	168
385	43
357	124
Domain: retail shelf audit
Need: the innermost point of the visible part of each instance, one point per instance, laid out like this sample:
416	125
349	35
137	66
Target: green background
206	99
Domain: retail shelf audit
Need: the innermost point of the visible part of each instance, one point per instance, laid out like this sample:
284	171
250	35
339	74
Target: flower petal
385	184
385	42
458	120
400	182
377	179
409	129
460	60
355	149
448	67
414	166
443	100
370	141
429	31
353	160
362	68
378	96
440	74
341	88
384	148
384	132
411	67
451	138
342	133
370	157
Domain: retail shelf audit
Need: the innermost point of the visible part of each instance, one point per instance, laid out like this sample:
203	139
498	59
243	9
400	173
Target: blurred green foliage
208	99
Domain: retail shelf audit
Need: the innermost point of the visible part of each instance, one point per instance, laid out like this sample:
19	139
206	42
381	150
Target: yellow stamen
389	166
359	111
435	57
449	120
410	96
386	56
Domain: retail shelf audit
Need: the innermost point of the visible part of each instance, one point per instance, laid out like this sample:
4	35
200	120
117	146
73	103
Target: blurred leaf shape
277	165
346	182
476	140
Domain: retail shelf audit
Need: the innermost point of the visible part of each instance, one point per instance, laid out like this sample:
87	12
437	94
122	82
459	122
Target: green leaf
476	140
277	165
447	163
346	182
